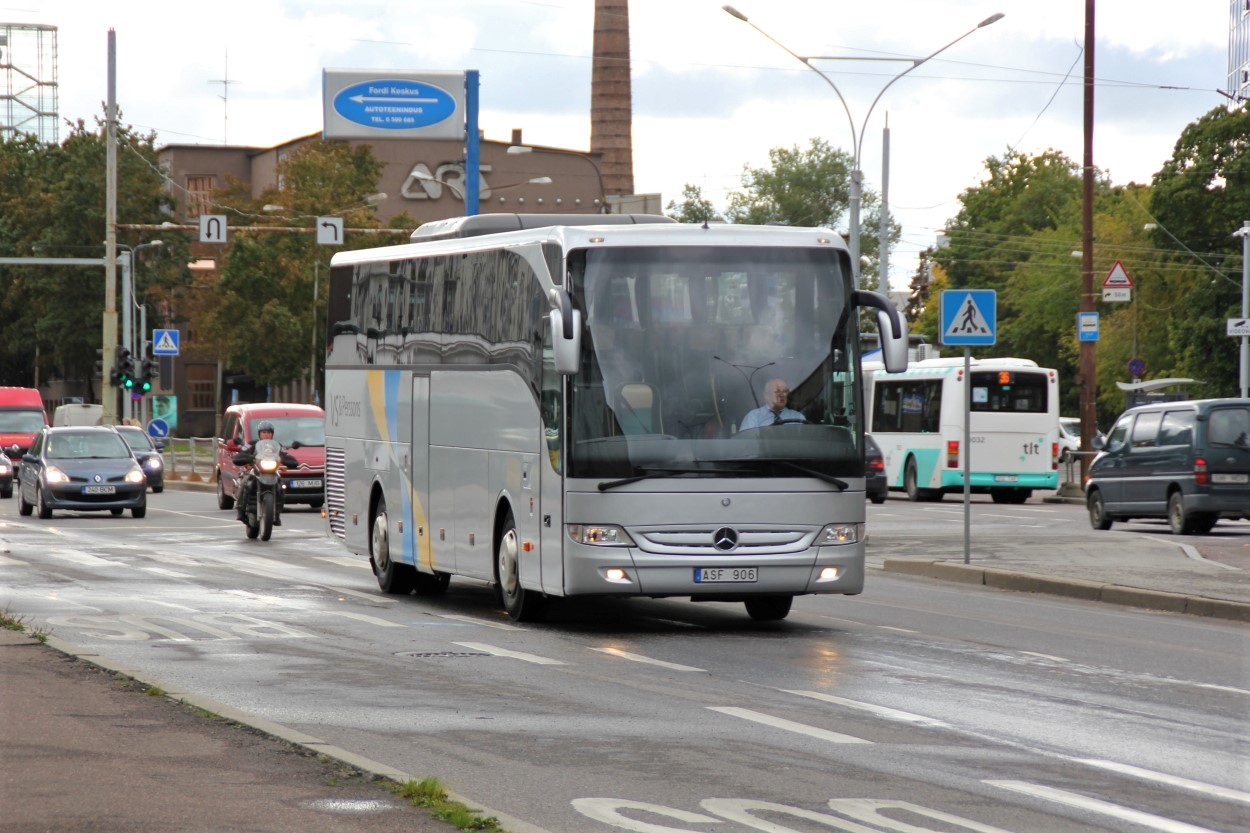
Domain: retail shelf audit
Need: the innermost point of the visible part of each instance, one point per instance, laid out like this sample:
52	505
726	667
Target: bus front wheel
393	577
769	608
522	605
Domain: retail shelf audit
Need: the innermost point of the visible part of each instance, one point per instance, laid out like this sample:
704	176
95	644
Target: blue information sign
165	342
969	317
158	428
394	104
1087	326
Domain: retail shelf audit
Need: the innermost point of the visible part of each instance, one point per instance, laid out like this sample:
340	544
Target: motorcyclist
264	431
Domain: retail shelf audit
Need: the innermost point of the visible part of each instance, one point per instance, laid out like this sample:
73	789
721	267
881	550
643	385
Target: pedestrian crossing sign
969	317
165	342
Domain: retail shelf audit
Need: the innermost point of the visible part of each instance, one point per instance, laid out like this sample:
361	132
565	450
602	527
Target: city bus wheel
224	501
522	605
909	480
769	608
393	577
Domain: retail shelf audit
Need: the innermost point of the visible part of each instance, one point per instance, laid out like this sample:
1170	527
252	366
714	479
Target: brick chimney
611	99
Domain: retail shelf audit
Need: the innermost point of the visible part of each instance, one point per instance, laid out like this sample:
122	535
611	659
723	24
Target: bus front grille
724	540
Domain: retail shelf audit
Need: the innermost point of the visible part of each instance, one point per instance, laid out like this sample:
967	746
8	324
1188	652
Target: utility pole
108	392
1089	370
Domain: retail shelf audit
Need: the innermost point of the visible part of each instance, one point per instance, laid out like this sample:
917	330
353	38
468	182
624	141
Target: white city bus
551	404
917	417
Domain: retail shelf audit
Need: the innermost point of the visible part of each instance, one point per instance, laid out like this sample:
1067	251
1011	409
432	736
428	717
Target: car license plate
305	484
1230	478
716	575
99	490
1006	478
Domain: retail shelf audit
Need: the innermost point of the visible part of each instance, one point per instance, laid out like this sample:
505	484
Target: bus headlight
599	535
836	535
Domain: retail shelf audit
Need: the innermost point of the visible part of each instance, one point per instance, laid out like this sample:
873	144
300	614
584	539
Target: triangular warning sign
165	344
1118	276
969	321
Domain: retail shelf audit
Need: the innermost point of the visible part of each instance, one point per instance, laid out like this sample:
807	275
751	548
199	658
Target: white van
77	414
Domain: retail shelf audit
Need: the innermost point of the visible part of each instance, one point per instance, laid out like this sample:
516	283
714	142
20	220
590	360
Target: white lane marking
504	652
1045	656
879	711
161	571
364	617
1170	780
1191	553
897	630
344	560
486	623
13	562
788	725
281	576
1094	805
82	559
672	666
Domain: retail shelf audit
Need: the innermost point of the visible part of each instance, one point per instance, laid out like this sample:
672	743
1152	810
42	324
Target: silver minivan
1188	462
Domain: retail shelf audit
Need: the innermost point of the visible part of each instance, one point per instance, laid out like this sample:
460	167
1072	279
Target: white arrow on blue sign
969	317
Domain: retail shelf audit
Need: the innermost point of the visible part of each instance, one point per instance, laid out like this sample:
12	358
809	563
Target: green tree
1201	195
809	187
693	207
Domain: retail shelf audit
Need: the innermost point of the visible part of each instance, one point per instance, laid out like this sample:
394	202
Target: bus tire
393	577
909	481
769	608
522	605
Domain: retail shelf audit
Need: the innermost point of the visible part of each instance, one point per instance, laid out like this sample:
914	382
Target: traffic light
123	373
148	371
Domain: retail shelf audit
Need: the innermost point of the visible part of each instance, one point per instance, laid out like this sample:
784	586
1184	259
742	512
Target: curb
1001	579
277	730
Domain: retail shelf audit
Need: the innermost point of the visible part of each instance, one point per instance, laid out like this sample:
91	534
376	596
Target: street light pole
1244	234
857	137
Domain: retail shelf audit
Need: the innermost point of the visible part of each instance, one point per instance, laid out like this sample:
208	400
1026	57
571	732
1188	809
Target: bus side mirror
566	333
892	326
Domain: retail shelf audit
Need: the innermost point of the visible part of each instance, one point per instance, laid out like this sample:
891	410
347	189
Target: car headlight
599	535
136	475
54	475
836	535
5	468
154	463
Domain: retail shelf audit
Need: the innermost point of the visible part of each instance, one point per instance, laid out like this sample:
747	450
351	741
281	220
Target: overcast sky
710	94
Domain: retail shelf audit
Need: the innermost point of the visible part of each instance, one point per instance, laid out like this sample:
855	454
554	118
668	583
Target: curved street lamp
601	201
857	138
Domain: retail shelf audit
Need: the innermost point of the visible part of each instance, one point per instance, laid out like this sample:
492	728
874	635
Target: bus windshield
681	344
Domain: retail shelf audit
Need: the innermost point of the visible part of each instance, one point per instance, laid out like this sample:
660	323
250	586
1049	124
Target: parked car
301	429
148	453
86	468
874	471
1188	462
6	476
1070	436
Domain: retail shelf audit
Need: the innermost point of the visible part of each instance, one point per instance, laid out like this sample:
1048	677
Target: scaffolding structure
28	85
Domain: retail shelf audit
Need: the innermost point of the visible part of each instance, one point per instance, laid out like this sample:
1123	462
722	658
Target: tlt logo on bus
1032	448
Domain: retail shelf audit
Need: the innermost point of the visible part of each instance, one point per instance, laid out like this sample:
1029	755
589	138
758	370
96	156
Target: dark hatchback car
88	468
147	453
874	471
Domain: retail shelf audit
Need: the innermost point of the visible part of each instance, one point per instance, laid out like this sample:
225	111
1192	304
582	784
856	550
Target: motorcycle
259	492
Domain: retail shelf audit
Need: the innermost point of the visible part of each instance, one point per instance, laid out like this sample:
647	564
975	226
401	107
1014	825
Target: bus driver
774	410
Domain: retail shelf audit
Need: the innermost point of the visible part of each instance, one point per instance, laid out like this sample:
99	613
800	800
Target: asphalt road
916	706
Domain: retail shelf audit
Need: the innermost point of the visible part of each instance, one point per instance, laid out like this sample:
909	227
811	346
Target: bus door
551	472
420	476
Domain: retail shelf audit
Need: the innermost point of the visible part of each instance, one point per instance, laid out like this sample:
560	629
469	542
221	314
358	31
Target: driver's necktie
776	418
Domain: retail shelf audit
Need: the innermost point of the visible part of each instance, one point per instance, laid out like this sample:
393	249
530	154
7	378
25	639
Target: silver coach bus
554	404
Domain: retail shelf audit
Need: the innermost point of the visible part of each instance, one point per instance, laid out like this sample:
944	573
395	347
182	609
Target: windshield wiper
828	478
648	474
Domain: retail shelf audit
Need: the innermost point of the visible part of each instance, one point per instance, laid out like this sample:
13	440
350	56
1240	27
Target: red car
301	429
